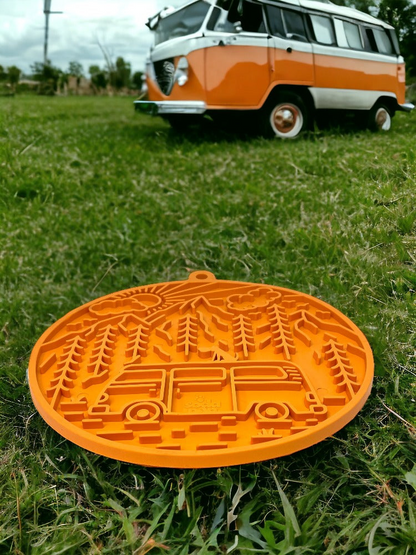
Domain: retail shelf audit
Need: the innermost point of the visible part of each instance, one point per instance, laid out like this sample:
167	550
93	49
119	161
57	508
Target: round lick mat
200	373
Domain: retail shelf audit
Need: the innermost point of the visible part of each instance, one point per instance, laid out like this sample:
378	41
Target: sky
74	35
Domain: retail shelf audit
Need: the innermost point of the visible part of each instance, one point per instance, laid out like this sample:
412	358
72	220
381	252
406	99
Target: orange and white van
276	62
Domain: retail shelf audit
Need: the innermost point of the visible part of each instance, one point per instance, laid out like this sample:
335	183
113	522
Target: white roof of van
334	9
324	6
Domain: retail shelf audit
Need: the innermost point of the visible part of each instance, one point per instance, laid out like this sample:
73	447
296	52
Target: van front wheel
379	118
285	118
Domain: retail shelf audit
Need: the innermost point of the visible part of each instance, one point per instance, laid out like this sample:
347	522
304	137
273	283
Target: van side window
341	35
395	42
371	41
323	30
352	32
286	23
378	41
252	18
213	20
274	16
383	42
295	27
219	22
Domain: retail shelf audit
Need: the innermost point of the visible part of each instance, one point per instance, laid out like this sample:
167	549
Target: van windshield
183	22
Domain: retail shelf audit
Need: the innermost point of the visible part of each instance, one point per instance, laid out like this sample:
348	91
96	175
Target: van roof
325	6
329	8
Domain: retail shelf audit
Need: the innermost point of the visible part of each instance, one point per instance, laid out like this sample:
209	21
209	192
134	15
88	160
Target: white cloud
74	35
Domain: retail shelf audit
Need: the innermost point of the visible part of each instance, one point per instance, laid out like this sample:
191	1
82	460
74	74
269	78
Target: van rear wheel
379	117
285	117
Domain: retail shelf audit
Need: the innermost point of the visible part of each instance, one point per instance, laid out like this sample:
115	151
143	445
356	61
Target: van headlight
181	73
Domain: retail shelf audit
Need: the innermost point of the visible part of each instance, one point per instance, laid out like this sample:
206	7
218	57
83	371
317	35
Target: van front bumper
162	107
408	107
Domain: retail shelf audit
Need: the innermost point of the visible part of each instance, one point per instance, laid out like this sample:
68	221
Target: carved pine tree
66	370
187	340
340	368
280	330
137	343
243	335
99	364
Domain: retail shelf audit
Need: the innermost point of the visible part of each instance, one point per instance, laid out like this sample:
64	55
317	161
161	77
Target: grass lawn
95	199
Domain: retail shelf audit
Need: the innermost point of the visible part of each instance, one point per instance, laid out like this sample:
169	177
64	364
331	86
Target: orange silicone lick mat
200	373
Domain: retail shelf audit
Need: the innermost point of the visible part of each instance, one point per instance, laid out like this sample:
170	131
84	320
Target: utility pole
47	12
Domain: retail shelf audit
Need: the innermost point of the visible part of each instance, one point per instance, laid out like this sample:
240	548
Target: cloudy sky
119	25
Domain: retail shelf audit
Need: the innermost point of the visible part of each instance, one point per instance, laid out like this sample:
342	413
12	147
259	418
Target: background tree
137	80
3	74
63	81
120	76
402	15
98	77
13	76
48	75
119	73
75	69
110	71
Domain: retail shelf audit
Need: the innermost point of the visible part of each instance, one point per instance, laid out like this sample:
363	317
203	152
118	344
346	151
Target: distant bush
25	88
48	75
46	88
5	89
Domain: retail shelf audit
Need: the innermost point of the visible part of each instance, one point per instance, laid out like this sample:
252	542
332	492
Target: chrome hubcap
286	120
383	119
